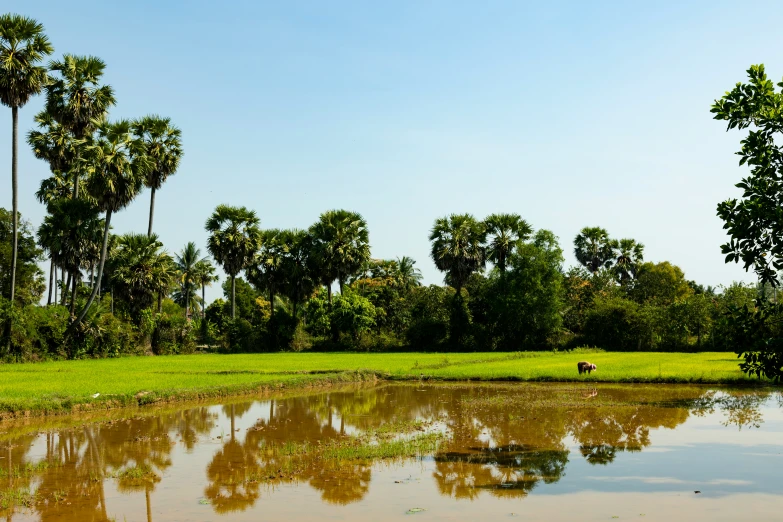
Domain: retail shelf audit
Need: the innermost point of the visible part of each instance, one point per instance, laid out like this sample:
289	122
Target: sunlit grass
65	386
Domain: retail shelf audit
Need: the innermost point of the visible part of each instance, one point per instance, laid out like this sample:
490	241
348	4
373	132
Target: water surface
531	451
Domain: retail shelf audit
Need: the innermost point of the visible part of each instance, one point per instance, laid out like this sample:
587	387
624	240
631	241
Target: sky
570	114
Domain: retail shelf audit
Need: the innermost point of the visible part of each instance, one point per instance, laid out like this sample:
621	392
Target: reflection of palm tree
229	488
341	482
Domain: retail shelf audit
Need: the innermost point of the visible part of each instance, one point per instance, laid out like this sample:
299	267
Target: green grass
67	386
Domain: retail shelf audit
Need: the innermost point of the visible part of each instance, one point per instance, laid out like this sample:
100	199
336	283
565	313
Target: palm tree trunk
92	273
73	293
56	282
14	211
152	211
51	282
65	289
187	301
329	293
160	302
100	268
203	302
233	301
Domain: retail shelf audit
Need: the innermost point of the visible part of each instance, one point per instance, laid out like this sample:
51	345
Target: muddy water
532	452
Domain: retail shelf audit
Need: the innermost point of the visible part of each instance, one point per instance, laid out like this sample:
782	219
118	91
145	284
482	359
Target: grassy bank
64	386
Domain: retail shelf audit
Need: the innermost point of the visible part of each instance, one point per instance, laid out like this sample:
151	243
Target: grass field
65	386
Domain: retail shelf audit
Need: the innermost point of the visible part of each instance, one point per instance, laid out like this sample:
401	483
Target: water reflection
503	440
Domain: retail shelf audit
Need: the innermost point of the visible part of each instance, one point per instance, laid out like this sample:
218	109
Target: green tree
75	100
118	169
186	262
341	246
754	222
630	255
594	249
141	269
204	275
29	278
266	272
504	233
660	284
300	281
458	248
234	237
410	276
529	310
163	145
23	45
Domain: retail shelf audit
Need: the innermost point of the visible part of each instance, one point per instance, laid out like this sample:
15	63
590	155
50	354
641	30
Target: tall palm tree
76	100
204	275
186	261
163	145
23	45
118	169
504	232
298	276
458	248
266	271
234	237
594	249
630	255
341	246
410	276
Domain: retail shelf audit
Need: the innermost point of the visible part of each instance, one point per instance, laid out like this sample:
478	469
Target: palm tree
410	276
186	261
75	100
203	276
22	45
141	269
457	248
54	143
118	170
234	239
70	233
594	249
163	145
504	232
298	276
341	246
266	271
630	255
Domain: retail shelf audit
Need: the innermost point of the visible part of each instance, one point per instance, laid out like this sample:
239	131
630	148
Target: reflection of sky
701	454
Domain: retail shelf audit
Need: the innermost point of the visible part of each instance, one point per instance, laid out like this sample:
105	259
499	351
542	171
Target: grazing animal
584	366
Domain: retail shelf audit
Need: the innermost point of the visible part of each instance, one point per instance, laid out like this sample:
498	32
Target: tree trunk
203	302
272	302
187	301
160	302
100	268
342	283
233	301
92	273
73	293
64	297
329	292
56	282
152	211
51	282
14	212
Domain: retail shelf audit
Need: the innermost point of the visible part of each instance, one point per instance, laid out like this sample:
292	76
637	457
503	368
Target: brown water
532	452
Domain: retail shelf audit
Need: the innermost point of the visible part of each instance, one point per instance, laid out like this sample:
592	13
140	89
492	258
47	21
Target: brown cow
584	366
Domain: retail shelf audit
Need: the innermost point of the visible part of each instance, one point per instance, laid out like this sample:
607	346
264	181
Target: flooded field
432	452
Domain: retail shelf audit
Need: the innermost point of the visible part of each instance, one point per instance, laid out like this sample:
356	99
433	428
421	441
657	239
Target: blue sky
571	114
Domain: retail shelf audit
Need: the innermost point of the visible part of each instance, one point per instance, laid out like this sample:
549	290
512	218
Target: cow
584	366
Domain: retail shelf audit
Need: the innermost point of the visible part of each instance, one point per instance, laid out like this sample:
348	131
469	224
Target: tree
203	276
75	100
299	279
23	45
457	248
186	262
504	232
163	145
341	245
29	278
118	169
266	272
661	284
593	249
234	239
630	255
141	269
410	276
754	223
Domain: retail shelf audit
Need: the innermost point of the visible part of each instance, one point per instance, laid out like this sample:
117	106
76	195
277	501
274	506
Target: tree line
506	286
